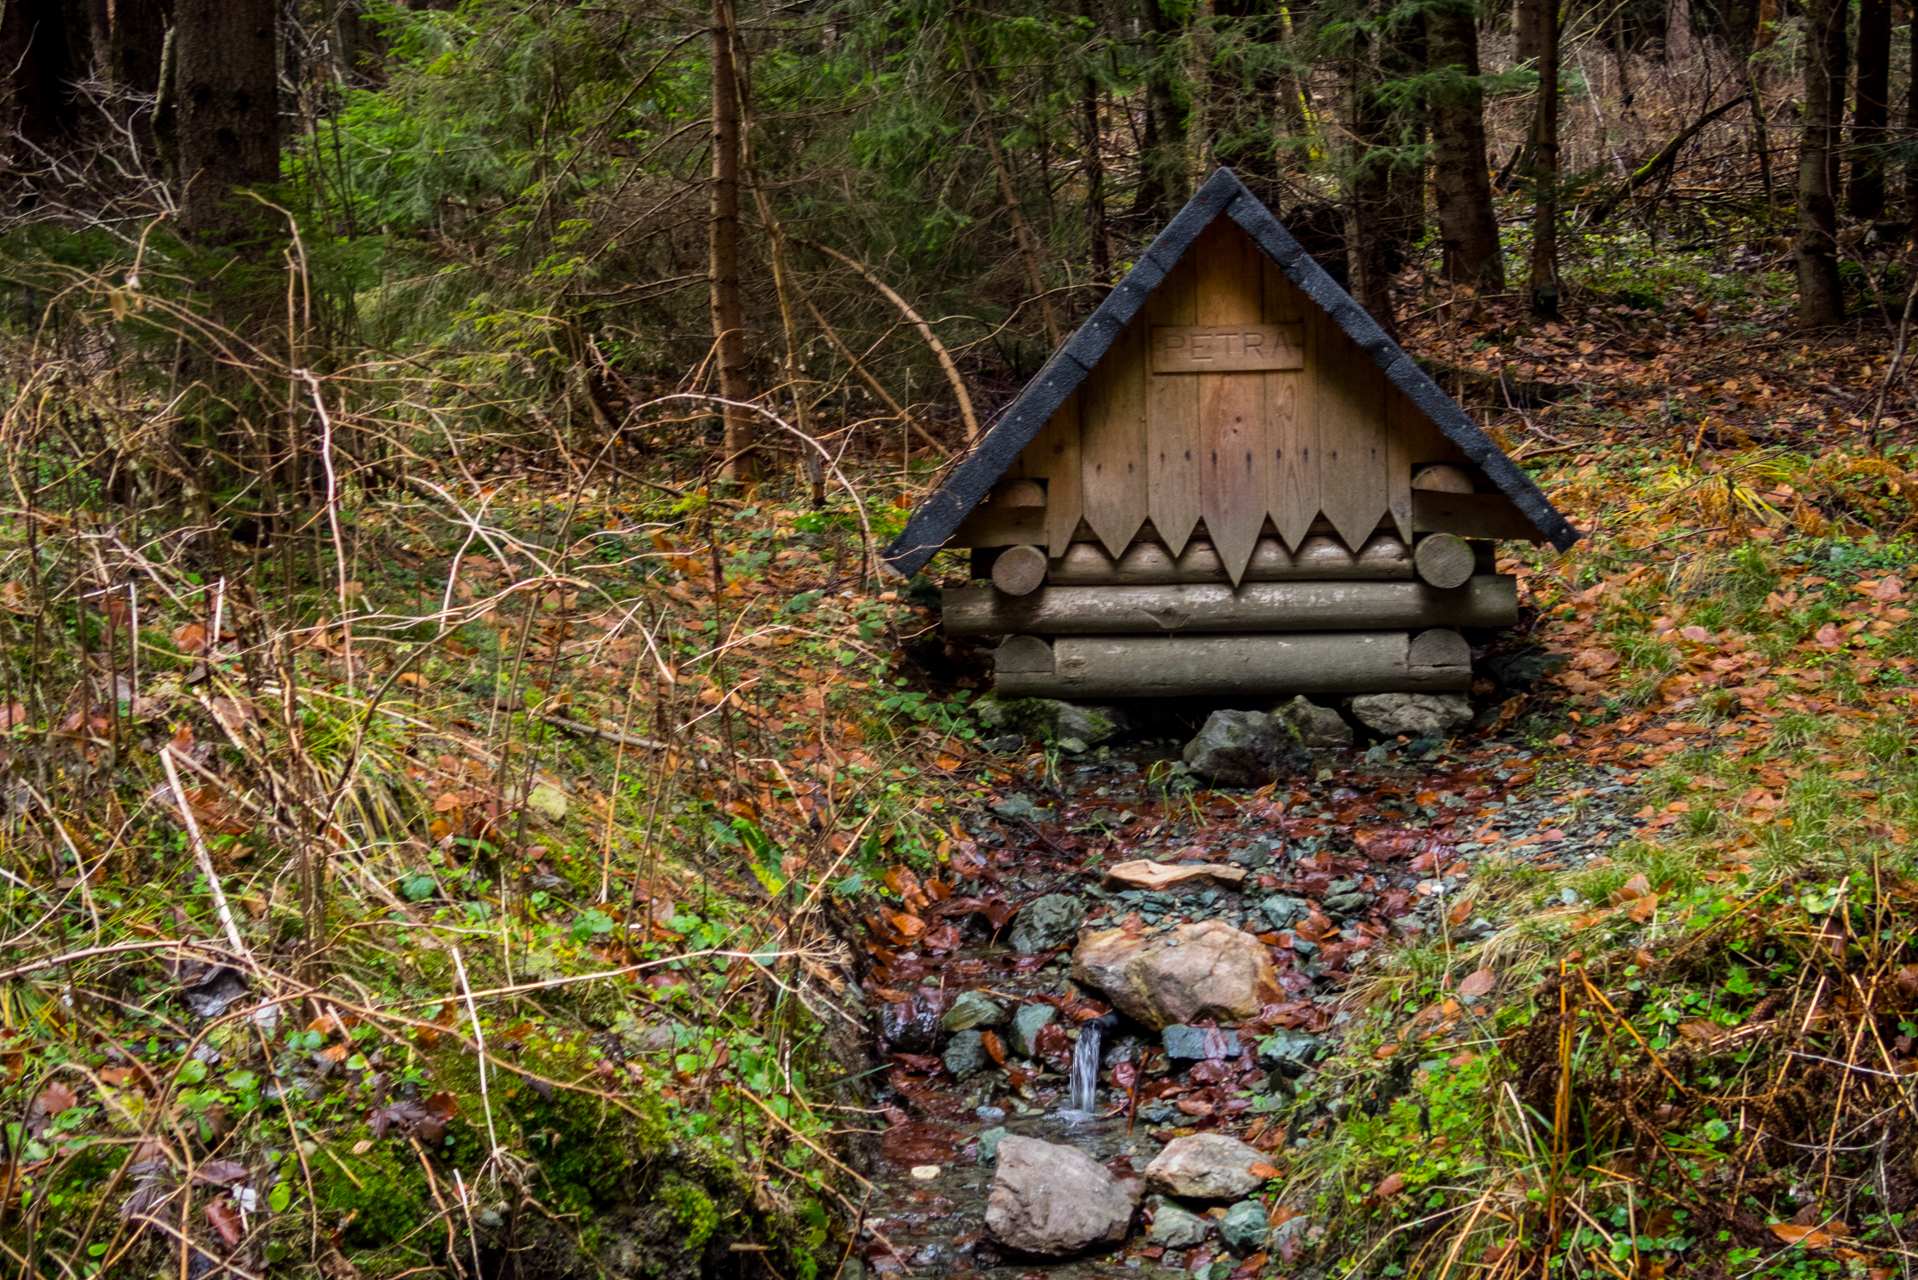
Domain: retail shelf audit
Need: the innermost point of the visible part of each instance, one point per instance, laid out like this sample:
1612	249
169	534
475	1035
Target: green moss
693	1208
380	1194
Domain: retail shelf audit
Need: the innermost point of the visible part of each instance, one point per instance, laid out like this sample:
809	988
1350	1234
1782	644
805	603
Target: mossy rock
1050	719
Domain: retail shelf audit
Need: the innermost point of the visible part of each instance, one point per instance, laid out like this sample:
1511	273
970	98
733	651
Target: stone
1290	1051
1244	749
1196	1044
1344	904
548	801
1413	715
1203	970
1244	1228
989	1140
1205	1166
1025	1027
966	1055
1284	911
1176	1228
1316	726
1055	1200
1051	719
1019	805
973	1009
1046	923
1287	1229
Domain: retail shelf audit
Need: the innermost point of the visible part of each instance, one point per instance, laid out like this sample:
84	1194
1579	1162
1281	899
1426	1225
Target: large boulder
1045	923
1315	725
1053	1200
1415	715
1205	1166
1244	749
1244	1228
1050	719
1203	970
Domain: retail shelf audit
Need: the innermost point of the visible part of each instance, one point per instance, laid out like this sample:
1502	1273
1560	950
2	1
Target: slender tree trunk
1820	297
1368	193
1462	182
226	95
729	334
1871	109
1163	182
1544	282
1022	235
1911	124
1091	147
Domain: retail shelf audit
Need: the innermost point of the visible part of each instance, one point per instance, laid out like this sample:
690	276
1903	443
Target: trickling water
1085	1068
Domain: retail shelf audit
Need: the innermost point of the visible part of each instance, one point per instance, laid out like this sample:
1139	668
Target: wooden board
1231	405
1112	440
1228	348
990	526
1291	479
1053	456
1348	399
1172	416
1319	557
1472	515
1398	459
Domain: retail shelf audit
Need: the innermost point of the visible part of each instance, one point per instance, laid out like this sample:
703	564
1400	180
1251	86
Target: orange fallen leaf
1264	1171
1806	1237
1637	887
994	1048
1390	1185
1645	908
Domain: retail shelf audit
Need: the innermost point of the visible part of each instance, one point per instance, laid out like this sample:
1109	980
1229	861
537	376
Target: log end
1444	560
1019	570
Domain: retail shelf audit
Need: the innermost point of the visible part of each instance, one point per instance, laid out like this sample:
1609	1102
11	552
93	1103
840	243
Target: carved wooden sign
1228	348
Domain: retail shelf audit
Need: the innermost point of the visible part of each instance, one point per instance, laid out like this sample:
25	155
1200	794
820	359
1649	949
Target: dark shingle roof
1222	193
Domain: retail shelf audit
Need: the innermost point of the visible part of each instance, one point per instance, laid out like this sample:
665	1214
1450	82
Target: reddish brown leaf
56	1098
1478	983
225	1219
1390	1185
1645	908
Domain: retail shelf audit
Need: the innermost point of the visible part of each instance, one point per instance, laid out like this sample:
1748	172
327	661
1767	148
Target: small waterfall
1085	1063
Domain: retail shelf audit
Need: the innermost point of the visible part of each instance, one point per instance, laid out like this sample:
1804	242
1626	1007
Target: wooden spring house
1230	481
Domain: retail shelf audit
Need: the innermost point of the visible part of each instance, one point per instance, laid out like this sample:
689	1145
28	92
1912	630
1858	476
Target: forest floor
562	817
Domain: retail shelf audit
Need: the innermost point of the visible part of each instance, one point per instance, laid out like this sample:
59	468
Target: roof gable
1222	193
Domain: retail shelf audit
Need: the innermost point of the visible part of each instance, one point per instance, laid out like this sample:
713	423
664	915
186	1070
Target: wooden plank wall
1231	449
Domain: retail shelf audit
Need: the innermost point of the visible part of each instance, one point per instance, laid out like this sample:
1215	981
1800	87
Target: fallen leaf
1645	908
1637	887
1390	1185
225	1219
1806	1237
994	1048
56	1098
1478	983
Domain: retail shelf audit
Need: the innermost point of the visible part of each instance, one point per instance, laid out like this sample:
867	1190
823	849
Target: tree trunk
1462	182
729	334
1544	283
1911	126
226	102
1820	296
1091	144
1163	184
37	68
133	48
1871	109
1368	189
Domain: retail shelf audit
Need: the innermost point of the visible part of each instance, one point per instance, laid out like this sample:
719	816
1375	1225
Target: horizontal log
1471	515
1487	601
1149	563
1195	666
991	525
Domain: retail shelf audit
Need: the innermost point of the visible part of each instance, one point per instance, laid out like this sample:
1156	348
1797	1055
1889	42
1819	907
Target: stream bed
979	1020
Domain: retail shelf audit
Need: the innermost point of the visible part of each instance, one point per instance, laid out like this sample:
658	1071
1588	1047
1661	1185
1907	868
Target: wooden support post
1488	601
1244	666
1443	559
1020	571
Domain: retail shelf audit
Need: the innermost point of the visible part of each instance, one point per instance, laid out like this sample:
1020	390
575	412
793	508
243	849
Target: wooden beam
1442	477
1321	556
1444	559
1020	571
1017	493
1192	666
990	525
1491	516
1487	601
